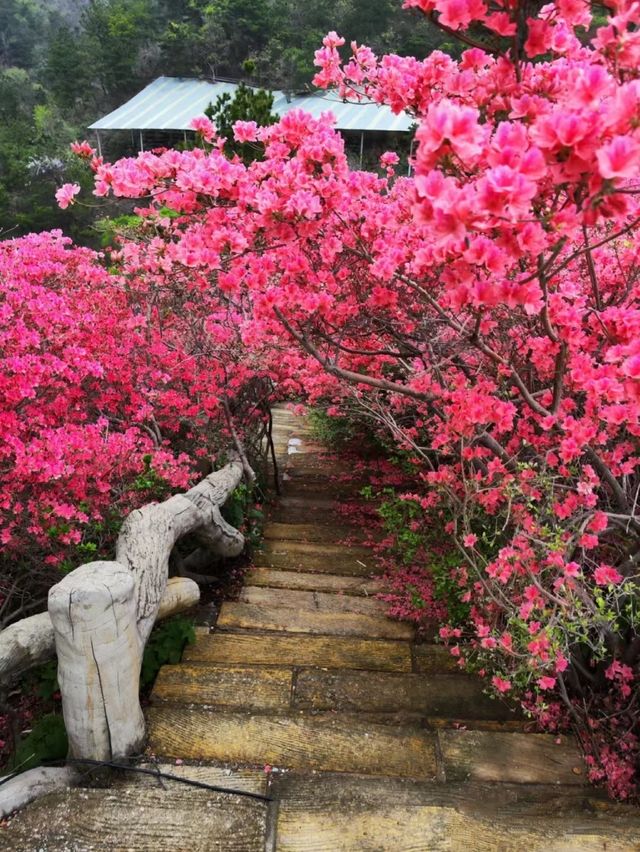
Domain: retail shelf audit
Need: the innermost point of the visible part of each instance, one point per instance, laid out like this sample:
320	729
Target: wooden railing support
100	617
93	612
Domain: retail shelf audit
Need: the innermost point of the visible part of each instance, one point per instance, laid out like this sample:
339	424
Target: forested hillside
64	63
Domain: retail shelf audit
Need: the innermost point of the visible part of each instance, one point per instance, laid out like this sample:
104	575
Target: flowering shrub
103	390
71	407
526	179
486	312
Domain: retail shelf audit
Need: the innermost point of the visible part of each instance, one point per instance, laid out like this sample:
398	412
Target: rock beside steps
364	740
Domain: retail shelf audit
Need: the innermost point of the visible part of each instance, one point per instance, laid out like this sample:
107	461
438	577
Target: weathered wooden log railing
100	617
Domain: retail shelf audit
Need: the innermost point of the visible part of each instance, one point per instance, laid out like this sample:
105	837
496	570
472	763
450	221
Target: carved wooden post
93	612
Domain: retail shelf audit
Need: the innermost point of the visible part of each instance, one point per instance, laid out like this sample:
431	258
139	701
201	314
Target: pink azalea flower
83	149
389	158
245	131
202	125
620	158
66	195
605	575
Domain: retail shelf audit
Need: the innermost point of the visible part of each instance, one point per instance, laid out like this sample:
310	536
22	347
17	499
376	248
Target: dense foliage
485	312
114	390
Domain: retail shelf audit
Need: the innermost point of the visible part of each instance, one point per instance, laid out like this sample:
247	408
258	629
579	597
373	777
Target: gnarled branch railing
101	614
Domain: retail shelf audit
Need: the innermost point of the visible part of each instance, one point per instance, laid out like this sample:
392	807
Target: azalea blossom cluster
527	176
485	311
107	399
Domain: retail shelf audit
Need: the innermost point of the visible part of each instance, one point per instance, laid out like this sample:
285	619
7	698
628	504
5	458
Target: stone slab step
311	600
378	692
301	479
312	558
322	518
272	618
299	484
307	503
141	815
332	652
305	548
510	757
255	688
327	533
274	579
517	725
345	814
430	658
311	449
321	742
240	687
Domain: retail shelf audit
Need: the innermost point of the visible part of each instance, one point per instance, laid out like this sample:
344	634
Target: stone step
510	757
309	503
239	687
297	483
324	519
305	532
253	687
332	652
272	578
431	659
302	476
312	558
328	742
287	450
314	452
383	692
247	616
142	814
346	814
319	516
311	600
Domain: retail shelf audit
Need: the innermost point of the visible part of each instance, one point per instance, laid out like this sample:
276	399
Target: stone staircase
364	740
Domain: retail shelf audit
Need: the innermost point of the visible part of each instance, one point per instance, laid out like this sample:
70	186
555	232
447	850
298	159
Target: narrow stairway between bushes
362	738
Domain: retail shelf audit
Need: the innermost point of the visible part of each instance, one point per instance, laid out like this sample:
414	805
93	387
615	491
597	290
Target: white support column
361	147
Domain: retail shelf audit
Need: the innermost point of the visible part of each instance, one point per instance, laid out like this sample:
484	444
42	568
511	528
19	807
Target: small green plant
165	645
332	431
241	512
46	680
46	741
247	104
150	480
112	229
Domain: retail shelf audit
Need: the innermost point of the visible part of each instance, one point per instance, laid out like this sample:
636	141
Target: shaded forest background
65	63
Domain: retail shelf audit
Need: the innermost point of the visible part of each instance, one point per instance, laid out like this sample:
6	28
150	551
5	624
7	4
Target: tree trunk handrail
101	614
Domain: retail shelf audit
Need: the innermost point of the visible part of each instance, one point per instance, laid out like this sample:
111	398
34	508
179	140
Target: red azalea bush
111	387
485	311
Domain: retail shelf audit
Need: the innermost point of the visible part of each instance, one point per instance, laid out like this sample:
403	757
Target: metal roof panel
170	103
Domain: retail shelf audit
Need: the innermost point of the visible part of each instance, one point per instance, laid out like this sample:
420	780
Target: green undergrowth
347	433
242	511
166	645
422	557
47	741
